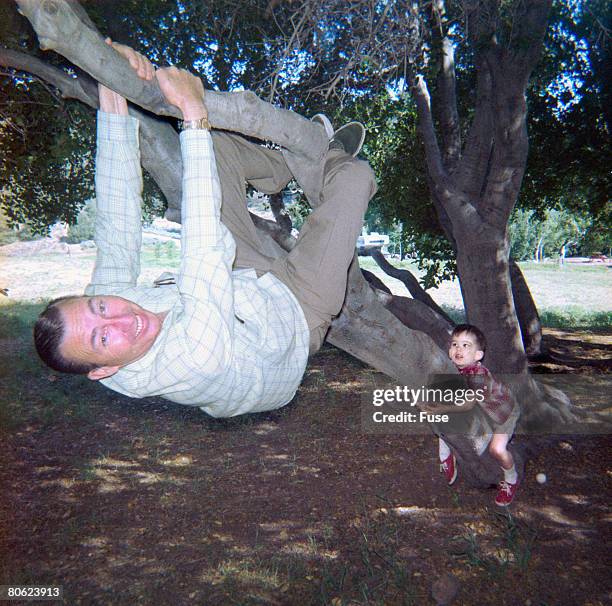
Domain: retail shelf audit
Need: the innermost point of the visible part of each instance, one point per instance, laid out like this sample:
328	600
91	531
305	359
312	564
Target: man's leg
239	160
316	269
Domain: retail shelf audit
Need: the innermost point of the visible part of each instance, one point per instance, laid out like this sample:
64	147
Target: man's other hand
112	102
183	90
140	64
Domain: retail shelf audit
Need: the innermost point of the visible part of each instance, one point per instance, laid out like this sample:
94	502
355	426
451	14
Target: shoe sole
357	148
324	121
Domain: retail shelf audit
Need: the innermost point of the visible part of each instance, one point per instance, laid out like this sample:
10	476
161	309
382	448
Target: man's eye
104	340
102	307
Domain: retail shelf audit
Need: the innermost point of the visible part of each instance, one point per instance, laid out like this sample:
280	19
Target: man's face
107	331
464	350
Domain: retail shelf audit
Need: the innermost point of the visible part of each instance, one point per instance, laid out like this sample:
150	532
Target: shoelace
505	487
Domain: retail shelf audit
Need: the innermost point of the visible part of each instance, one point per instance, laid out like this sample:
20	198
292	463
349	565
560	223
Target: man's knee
353	176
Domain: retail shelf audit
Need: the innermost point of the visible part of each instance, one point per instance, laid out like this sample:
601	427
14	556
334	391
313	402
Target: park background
124	501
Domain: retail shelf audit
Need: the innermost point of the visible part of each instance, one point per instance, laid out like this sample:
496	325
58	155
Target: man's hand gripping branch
112	102
184	90
180	88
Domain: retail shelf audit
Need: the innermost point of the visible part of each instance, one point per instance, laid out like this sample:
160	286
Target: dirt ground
145	502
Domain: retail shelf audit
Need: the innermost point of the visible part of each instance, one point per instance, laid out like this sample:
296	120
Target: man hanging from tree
227	341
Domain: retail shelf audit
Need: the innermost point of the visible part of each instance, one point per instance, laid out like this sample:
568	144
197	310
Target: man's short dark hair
48	334
474	332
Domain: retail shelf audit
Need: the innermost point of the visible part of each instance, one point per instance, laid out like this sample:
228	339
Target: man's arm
118	231
207	247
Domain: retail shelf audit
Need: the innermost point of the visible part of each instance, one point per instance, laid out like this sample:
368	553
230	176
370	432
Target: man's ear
479	355
102	372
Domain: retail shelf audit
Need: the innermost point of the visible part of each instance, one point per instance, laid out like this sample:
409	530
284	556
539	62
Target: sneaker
505	494
324	121
350	136
449	468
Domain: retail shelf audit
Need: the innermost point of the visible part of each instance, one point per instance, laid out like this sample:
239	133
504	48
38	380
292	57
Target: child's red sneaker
506	493
449	468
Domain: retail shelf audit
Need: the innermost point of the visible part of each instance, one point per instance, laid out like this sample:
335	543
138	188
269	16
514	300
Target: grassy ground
575	295
145	502
578	295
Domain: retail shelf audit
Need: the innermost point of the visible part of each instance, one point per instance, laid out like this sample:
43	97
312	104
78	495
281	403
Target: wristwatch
200	124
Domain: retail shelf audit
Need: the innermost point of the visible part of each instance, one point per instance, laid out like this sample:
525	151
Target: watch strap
199	124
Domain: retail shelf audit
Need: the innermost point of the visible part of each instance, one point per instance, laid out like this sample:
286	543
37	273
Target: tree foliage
534	237
570	113
347	58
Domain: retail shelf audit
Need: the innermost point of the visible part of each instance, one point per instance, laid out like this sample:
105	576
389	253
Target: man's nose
122	322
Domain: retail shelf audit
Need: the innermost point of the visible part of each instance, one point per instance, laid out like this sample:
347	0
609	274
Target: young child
467	349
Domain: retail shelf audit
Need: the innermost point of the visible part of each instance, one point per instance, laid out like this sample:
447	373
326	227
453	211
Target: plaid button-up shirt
498	402
231	343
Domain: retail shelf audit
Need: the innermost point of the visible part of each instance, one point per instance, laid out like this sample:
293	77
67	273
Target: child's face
464	350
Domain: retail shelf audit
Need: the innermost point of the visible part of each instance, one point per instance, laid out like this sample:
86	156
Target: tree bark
487	294
373	334
526	312
410	282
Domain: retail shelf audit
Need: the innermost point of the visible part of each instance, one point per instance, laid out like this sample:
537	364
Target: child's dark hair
474	332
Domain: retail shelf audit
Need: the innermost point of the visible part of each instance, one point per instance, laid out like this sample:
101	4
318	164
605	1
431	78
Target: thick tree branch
473	167
445	107
418	316
375	282
459	209
448	115
410	282
509	152
283	238
69	86
409	356
428	134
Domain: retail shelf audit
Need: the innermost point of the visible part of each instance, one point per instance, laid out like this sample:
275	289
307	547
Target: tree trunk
483	265
526	311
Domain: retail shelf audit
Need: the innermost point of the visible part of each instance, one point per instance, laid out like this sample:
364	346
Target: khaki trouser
316	269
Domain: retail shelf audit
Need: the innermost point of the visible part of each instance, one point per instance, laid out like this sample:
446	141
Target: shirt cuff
196	140
113	127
